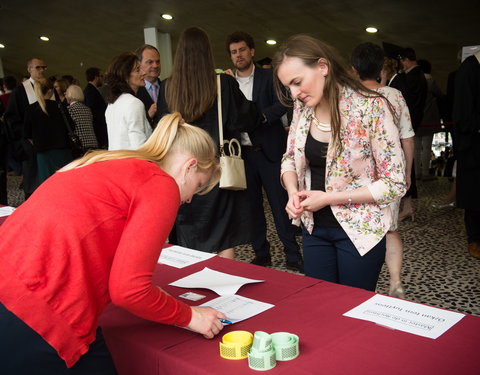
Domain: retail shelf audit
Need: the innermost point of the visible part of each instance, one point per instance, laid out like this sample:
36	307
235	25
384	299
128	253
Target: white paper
6	211
221	283
238	308
179	257
406	316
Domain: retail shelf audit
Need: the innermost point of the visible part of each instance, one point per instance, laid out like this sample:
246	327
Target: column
163	43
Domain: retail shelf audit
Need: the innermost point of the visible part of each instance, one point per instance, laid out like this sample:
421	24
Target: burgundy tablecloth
135	343
333	344
329	342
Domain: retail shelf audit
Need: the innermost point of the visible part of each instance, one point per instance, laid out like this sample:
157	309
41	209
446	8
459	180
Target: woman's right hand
293	208
206	321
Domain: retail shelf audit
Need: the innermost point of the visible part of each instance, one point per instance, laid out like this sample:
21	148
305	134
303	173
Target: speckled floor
437	267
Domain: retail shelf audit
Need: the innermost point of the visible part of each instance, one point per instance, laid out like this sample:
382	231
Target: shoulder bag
232	165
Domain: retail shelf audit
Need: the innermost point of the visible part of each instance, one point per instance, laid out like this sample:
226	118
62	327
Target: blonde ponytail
41	87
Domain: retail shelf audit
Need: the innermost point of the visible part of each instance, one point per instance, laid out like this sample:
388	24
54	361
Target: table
329	342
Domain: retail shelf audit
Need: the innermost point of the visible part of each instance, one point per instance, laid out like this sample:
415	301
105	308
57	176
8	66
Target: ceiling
91	32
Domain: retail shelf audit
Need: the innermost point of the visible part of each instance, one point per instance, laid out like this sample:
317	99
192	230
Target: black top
48	132
315	152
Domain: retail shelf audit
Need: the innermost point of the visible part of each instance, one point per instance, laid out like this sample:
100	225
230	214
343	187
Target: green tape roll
261	361
286	346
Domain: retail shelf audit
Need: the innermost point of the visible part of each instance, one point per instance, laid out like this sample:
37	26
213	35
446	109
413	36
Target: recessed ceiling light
44	38
371	30
271	42
2	45
166	16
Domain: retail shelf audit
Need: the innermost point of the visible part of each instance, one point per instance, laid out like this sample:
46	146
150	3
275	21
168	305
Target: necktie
154	92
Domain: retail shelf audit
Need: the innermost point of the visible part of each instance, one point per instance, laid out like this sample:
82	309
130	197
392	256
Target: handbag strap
62	110
219	110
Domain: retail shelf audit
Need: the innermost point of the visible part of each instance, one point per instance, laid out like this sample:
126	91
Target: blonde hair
170	136
74	93
41	87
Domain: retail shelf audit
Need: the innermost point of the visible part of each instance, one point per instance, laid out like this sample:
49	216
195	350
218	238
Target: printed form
406	316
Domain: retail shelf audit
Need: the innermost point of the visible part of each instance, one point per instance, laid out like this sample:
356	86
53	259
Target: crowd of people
149	173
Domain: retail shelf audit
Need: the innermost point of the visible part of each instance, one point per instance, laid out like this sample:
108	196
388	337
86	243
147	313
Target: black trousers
24	352
263	174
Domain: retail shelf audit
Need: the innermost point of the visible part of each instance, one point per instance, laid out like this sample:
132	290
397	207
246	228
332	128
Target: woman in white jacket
127	124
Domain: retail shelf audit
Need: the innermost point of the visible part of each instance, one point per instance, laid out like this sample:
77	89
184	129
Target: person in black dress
219	220
45	128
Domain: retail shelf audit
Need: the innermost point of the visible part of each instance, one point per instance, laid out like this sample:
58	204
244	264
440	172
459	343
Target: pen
224	321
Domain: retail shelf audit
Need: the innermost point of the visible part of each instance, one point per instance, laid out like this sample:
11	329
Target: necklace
322	126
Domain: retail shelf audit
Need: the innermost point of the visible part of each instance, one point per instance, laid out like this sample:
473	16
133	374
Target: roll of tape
261	361
262	341
286	346
236	345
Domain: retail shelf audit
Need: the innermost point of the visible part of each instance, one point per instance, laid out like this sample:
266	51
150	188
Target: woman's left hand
313	200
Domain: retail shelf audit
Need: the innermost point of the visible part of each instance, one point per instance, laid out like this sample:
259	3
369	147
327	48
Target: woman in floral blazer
343	165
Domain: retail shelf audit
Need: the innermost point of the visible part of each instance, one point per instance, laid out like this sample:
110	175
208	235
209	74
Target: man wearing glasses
21	97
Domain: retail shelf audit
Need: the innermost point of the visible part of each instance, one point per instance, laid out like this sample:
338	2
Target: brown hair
118	73
310	50
237	37
139	50
191	88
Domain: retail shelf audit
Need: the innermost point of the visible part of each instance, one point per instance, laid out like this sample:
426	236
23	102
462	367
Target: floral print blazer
371	156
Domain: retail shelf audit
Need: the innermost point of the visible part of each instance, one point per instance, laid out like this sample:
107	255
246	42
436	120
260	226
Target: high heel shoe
398	291
403	215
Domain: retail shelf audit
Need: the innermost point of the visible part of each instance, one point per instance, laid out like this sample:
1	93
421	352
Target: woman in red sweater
91	235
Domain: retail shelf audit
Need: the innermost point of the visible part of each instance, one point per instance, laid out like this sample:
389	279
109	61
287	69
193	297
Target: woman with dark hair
127	123
98	242
61	86
343	165
218	221
45	128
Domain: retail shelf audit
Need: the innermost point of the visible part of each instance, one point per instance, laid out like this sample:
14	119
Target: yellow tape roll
236	345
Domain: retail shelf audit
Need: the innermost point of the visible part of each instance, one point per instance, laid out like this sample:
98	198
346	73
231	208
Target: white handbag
232	165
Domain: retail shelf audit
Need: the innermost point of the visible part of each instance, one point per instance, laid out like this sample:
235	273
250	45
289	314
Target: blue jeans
331	256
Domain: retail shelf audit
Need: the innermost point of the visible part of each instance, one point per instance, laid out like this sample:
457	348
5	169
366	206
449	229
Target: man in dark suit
150	63
466	118
417	85
262	151
94	100
21	97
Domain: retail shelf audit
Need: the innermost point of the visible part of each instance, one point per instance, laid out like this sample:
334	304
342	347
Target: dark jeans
331	256
24	352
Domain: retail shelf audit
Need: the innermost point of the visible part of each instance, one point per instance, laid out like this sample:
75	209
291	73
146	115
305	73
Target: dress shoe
295	266
474	249
262	261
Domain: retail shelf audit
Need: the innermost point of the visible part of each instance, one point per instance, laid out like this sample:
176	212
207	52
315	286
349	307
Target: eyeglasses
41	67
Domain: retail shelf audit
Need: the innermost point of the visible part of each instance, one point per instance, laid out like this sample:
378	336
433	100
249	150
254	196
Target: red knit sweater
87	237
